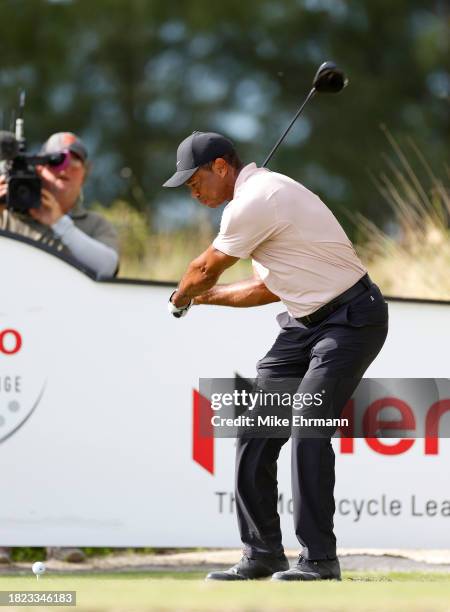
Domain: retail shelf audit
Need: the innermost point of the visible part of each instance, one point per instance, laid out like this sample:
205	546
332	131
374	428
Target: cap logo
68	139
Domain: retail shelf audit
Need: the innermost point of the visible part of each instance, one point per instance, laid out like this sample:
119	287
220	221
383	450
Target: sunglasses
63	160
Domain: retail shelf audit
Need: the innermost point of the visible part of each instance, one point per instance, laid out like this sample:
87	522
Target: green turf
170	591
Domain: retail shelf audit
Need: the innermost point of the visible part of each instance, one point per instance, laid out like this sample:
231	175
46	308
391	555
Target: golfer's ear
220	167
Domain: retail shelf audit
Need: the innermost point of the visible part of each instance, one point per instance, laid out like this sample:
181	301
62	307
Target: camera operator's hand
49	211
3	192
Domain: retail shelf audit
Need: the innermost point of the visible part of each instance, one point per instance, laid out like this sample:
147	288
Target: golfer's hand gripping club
176	311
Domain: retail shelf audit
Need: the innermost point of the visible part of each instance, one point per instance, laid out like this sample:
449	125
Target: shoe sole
269	576
236	580
305	579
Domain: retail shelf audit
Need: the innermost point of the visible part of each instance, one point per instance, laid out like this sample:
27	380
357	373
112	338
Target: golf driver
328	79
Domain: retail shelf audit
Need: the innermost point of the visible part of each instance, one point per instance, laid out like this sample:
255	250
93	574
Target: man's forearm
243	294
201	275
99	257
195	282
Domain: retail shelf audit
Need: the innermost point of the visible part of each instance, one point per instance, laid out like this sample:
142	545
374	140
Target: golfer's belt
324	311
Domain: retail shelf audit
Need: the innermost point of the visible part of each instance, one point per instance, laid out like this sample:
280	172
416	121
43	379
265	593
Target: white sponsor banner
96	418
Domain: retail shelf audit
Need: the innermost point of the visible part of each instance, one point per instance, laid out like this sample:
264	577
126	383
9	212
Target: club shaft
283	135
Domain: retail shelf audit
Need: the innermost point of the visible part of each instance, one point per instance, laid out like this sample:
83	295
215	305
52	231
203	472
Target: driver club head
329	79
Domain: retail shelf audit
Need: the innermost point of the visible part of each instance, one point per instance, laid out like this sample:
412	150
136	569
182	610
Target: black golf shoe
251	569
325	569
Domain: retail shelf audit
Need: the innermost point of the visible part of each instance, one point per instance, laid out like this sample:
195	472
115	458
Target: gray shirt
86	236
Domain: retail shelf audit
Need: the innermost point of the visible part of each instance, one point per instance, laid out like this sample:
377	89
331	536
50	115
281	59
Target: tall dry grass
164	255
413	258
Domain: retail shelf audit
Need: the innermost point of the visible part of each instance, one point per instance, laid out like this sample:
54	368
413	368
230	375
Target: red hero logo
10	341
373	421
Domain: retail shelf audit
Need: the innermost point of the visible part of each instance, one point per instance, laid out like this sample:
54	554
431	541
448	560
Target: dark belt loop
366	281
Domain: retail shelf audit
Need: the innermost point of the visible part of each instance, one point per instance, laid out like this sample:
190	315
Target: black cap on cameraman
196	150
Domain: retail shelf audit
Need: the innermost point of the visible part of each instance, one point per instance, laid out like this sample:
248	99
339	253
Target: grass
167	591
168	255
413	258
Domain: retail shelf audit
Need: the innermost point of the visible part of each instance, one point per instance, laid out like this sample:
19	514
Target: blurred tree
134	78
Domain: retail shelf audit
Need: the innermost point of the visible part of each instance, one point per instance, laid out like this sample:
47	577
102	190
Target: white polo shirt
298	247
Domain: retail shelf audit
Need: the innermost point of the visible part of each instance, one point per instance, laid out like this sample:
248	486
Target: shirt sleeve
89	251
245	224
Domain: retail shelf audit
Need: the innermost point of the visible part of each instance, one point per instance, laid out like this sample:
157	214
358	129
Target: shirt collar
78	211
244	174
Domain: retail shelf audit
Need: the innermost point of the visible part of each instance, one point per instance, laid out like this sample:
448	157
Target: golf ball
38	568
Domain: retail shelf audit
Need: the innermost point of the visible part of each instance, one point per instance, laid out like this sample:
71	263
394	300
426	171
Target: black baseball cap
196	150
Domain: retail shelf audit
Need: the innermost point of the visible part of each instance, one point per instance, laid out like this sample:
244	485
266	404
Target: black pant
334	354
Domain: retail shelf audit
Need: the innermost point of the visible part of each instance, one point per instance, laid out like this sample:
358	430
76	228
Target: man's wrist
204	298
62	225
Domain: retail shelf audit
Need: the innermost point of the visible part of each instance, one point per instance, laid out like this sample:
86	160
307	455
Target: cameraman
61	221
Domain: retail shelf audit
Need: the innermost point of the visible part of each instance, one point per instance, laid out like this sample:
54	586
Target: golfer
335	325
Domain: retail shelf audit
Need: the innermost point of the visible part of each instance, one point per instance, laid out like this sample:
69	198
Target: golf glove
175	311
